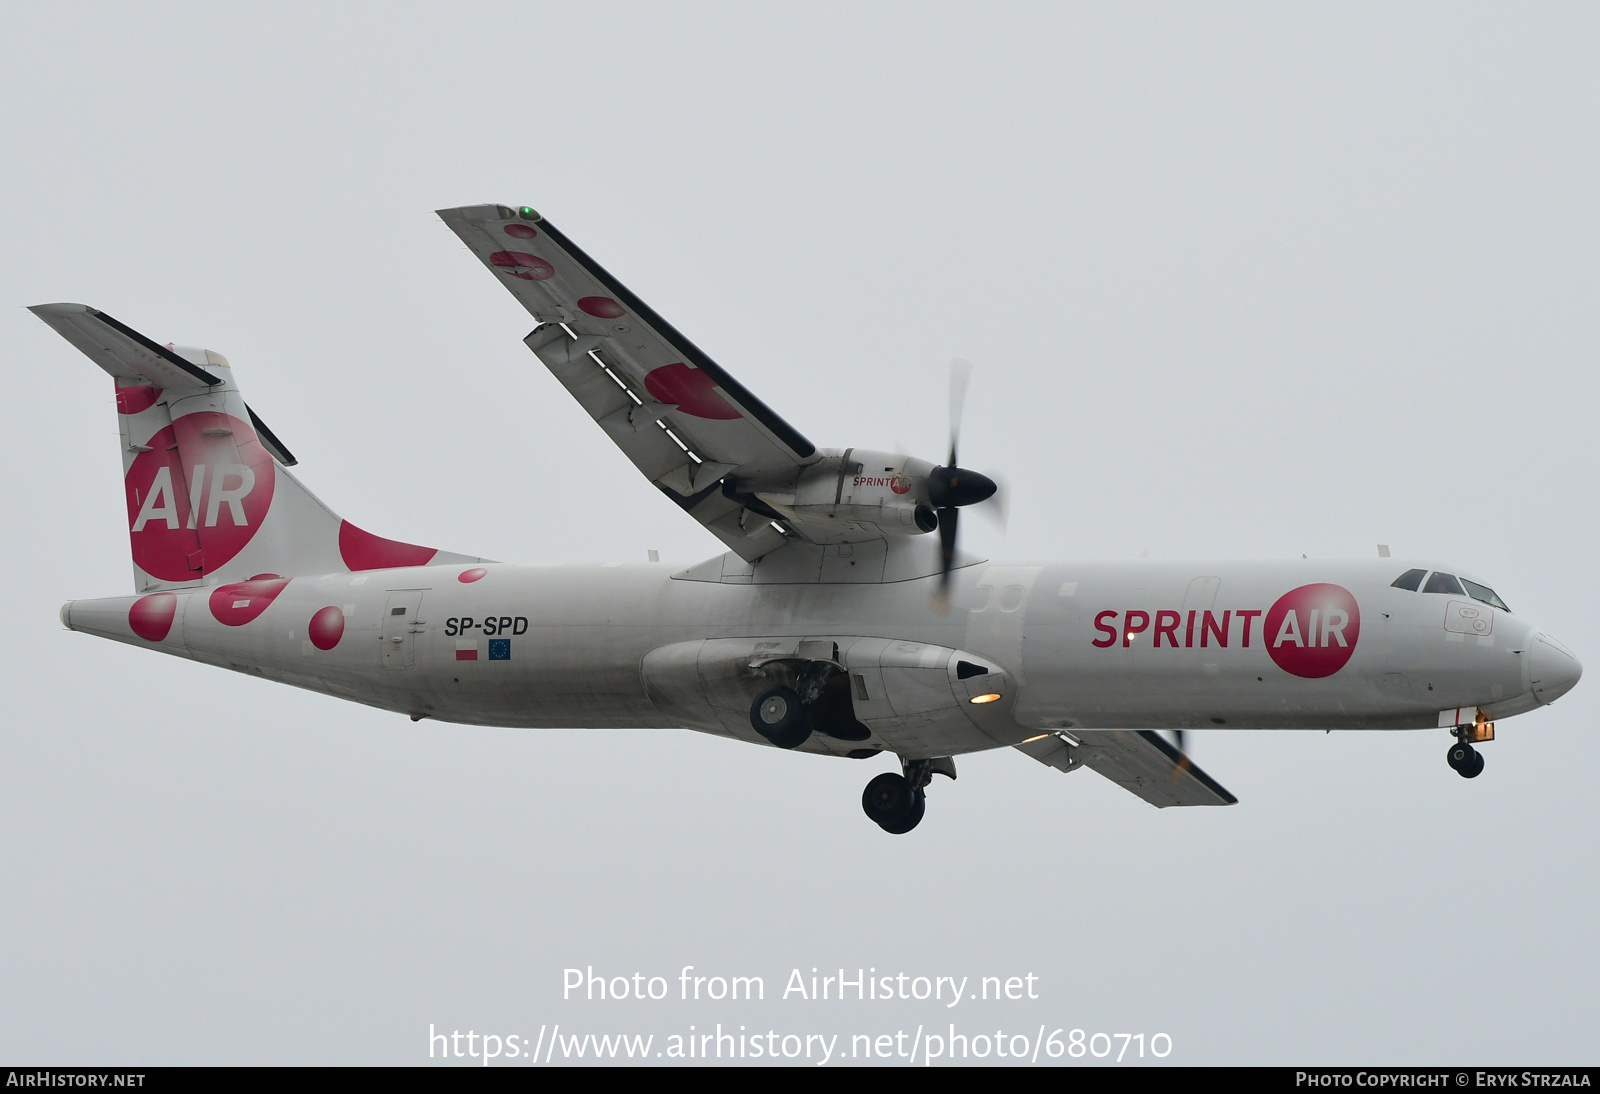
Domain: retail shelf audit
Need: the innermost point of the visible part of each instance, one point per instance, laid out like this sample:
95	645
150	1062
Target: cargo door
402	623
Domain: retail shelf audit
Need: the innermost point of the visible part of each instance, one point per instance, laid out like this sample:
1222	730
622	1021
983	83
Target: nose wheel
1465	760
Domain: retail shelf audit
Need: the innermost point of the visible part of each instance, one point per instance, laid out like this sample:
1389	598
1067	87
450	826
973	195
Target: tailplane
210	497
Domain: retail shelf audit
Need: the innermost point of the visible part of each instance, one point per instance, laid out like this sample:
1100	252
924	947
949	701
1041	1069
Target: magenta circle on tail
136	397
197	495
151	616
365	551
326	628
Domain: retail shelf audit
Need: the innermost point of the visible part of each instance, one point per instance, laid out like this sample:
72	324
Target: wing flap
1052	751
638	427
1140	761
629	421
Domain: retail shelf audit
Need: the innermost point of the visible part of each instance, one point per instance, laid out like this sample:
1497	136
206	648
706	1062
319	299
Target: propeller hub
952	487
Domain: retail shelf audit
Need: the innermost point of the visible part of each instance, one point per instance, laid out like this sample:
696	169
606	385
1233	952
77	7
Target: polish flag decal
466	651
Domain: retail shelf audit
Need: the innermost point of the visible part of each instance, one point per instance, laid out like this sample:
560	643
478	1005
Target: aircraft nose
1553	668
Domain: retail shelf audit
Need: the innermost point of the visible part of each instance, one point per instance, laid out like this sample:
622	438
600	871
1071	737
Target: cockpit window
1409	580
1444	583
1485	594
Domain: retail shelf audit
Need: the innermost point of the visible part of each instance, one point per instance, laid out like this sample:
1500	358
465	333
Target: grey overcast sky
1239	280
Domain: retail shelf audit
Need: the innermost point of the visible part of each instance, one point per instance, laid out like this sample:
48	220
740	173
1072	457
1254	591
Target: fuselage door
402	622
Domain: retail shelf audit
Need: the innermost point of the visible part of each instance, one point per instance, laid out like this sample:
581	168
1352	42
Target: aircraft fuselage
1094	645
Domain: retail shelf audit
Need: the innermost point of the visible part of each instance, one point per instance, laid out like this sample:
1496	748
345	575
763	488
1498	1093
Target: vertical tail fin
209	495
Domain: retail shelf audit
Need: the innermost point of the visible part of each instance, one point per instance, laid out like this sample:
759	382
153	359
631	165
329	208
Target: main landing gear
896	803
819	702
1465	760
777	716
893	803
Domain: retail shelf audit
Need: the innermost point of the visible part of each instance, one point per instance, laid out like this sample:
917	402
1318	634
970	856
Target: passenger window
1444	583
1409	580
1485	594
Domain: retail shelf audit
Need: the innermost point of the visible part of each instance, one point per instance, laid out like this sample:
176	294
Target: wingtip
42	310
492	212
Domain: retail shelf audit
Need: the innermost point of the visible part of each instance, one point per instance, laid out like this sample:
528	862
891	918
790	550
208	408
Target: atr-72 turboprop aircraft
828	627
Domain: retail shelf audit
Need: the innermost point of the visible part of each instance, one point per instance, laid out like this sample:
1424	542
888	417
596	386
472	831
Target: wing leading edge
687	425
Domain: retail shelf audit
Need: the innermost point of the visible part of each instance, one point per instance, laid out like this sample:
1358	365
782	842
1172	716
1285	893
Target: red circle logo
136	397
326	628
602	306
1311	631
151	616
521	264
900	484
237	604
197	495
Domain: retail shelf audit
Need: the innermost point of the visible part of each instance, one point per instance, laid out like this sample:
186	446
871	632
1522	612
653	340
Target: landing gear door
402	623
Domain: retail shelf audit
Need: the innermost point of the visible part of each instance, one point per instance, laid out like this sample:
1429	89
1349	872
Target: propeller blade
947	544
952	486
947	556
960	373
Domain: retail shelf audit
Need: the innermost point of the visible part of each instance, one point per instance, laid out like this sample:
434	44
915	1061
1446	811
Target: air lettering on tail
205	486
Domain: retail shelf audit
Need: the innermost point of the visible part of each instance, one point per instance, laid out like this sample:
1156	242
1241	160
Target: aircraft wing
690	427
1139	761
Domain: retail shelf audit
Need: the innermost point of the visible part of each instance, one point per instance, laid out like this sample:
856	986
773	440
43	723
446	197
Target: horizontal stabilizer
121	350
1141	762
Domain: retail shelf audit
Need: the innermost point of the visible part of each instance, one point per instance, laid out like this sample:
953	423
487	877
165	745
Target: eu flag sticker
499	649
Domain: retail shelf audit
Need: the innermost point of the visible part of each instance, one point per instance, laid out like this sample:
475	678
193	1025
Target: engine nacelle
856	494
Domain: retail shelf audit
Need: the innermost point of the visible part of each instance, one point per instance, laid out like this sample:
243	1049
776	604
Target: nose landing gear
1466	760
1463	759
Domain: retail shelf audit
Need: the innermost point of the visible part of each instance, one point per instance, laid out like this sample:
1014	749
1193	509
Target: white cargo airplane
828	627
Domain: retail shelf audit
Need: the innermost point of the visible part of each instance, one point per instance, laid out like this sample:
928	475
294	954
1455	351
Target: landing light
989	698
1040	737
